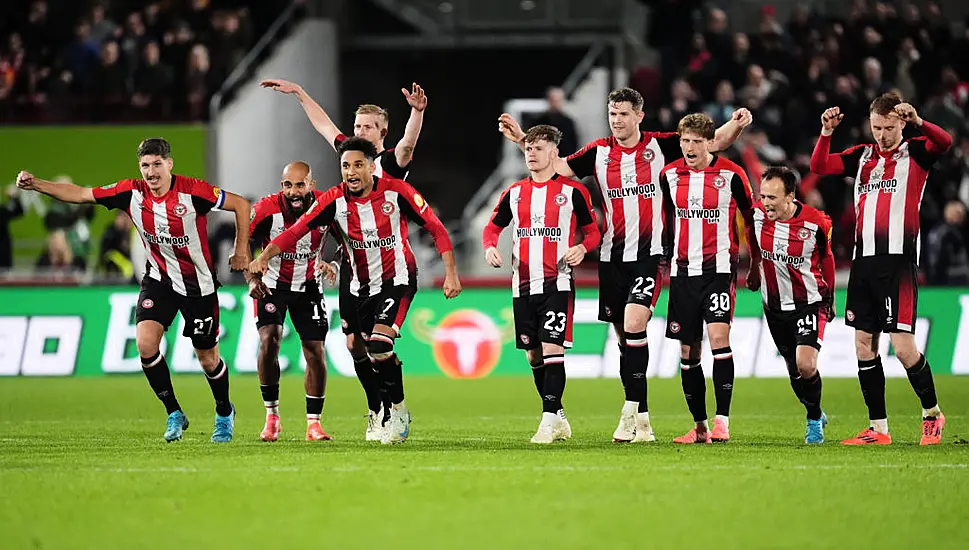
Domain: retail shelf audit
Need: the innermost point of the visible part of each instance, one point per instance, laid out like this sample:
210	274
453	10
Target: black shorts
159	302
347	302
883	294
803	326
387	308
699	299
544	318
622	283
306	309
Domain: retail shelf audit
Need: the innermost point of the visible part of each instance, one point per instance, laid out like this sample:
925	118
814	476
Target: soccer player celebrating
370	215
370	123
890	177
544	210
290	284
705	193
170	214
797	283
626	167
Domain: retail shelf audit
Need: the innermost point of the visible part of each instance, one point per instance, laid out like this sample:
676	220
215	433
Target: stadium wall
89	331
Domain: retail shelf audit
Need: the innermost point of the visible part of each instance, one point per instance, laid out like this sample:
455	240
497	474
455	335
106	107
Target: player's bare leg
723	375
314	383
148	335
217	374
806	382
552	427
388	366
695	391
367	375
634	423
871	375
920	376
268	367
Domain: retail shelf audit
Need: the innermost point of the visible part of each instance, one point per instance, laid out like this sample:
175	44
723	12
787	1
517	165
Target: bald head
297	171
297	186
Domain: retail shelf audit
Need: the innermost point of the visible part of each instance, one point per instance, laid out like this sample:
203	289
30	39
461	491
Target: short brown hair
627	94
885	104
697	123
543	132
371	109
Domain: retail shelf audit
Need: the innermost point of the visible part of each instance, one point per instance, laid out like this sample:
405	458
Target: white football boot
626	431
397	428
566	431
549	430
375	430
644	432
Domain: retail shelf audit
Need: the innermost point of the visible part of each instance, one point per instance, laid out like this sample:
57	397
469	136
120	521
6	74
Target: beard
304	204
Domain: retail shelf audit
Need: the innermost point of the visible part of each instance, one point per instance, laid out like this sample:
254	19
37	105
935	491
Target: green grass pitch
83	465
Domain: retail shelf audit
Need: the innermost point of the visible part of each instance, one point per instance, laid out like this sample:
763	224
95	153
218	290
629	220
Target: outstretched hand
416	97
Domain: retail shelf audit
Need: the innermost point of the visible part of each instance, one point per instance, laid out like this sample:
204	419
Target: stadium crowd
121	60
788	72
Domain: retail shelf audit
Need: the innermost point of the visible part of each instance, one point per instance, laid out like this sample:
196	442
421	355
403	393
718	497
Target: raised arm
65	192
822	161
731	130
241	257
418	102
318	117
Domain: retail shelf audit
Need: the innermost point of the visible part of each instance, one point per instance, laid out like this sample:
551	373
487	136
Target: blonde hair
371	109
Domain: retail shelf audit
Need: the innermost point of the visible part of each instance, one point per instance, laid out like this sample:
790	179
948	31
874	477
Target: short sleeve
741	191
583	161
388	162
116	196
340	138
669	144
205	196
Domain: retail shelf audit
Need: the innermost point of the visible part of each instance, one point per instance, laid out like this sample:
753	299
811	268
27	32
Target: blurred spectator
555	116
115	259
58	256
102	27
200	82
111	79
947	259
10	210
152	82
81	57
723	106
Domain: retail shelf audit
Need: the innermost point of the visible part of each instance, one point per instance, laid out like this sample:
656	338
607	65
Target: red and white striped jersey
793	255
173	228
374	231
703	208
888	189
544	217
628	179
294	268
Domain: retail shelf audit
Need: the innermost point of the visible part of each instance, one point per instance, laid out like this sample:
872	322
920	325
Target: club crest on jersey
271	307
803	233
674	327
649	155
561	199
525	339
719	182
180	210
344	323
148	303
387	208
850	315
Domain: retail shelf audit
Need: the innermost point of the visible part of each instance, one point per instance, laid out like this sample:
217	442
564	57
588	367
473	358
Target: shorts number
720	302
888	306
638	287
549	325
203	326
389	304
809	322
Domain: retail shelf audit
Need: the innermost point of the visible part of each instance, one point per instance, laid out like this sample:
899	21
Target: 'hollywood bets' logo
466	343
